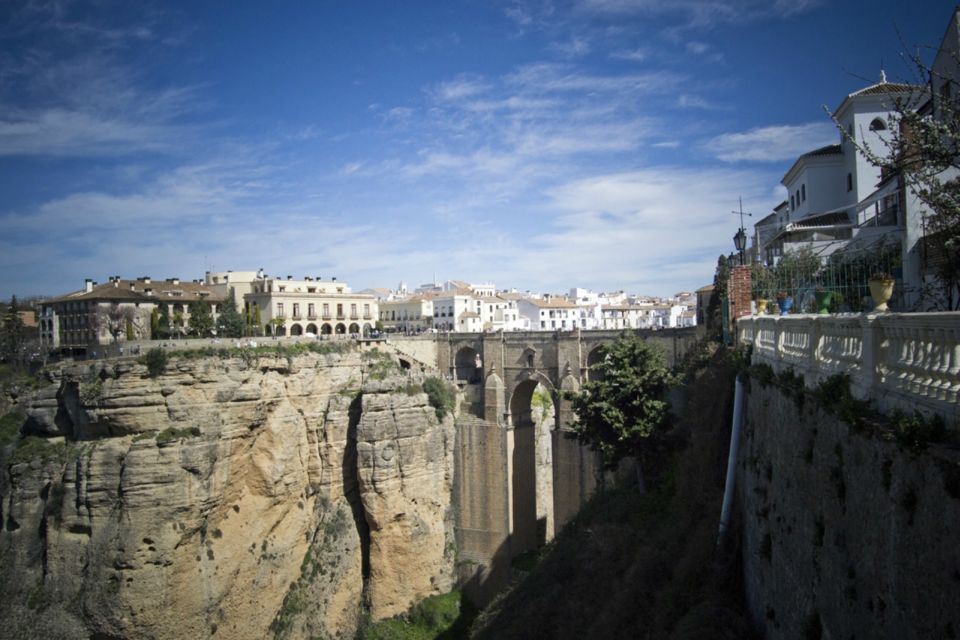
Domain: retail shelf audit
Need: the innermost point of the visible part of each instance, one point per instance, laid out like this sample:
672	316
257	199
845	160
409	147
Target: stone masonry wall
845	535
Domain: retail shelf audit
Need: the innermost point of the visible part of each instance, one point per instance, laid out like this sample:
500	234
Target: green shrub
10	428
156	361
440	396
444	616
916	431
170	434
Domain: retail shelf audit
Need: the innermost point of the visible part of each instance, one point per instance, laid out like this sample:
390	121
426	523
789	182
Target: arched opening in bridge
404	364
467	365
326	329
533	416
341	328
593	358
354	328
296	330
281	330
312	329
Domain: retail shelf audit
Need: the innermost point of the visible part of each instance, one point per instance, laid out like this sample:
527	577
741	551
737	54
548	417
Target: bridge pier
514	486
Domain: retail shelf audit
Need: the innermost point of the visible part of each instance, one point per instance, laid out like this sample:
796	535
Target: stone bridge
520	479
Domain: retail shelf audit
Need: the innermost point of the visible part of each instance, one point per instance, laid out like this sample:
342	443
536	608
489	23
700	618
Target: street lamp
740	242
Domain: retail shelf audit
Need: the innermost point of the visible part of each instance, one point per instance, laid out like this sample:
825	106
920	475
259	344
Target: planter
785	305
881	291
823	301
761	306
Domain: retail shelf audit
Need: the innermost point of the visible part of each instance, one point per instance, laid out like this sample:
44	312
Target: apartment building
288	307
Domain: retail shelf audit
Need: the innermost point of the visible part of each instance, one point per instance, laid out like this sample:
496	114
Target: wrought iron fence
844	275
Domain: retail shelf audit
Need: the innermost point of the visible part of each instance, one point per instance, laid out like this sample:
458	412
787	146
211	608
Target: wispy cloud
636	55
771	144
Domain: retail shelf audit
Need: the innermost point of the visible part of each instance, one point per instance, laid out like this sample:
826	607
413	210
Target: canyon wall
240	496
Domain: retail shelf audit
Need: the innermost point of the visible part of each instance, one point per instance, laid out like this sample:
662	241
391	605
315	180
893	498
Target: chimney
133	286
289	277
87	285
334	278
148	291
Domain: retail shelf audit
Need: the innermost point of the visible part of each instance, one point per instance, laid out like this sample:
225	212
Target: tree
256	321
623	410
176	323
201	318
230	322
154	324
13	338
714	314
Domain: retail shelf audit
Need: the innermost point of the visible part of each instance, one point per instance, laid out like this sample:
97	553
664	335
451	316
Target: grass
443	617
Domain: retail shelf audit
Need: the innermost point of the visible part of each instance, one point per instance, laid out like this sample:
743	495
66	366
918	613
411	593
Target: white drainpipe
730	486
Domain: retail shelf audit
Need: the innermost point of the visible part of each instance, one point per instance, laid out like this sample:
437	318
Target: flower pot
785	305
823	301
881	291
761	306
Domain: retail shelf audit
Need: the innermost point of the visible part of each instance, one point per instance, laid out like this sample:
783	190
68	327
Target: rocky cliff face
228	497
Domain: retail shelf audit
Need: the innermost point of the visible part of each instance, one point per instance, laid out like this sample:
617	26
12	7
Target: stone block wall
845	535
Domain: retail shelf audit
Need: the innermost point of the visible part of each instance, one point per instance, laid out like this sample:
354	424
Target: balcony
326	315
367	316
354	316
311	316
297	316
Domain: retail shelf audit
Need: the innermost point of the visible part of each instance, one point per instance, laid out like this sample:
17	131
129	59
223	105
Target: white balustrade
900	360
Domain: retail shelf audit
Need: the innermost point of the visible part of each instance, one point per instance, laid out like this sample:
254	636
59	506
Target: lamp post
740	239
740	242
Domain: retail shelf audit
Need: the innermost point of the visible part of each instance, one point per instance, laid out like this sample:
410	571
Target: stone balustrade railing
901	361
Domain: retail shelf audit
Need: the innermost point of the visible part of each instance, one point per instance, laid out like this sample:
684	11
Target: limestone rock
223	499
404	458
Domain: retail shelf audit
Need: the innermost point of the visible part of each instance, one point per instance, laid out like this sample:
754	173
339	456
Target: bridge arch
467	364
532	418
594	357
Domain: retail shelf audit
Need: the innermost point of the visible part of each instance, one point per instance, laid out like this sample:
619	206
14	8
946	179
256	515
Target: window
878	125
326	310
849	182
282	289
366	310
296	309
339	310
803	192
353	310
311	311
791	202
280	309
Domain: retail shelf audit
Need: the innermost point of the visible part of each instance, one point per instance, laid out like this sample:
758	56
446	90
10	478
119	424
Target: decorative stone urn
761	306
881	290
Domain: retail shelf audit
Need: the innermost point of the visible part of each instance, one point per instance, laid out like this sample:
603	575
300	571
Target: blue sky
537	144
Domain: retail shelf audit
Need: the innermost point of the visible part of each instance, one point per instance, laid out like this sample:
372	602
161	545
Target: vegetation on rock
440	396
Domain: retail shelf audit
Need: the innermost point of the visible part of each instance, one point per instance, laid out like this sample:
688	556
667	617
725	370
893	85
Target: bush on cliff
156	361
440	396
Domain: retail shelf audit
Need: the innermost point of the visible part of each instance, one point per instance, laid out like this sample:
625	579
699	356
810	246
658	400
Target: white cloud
636	55
772	144
464	86
575	47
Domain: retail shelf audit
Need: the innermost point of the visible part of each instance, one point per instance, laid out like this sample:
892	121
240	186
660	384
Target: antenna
741	212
